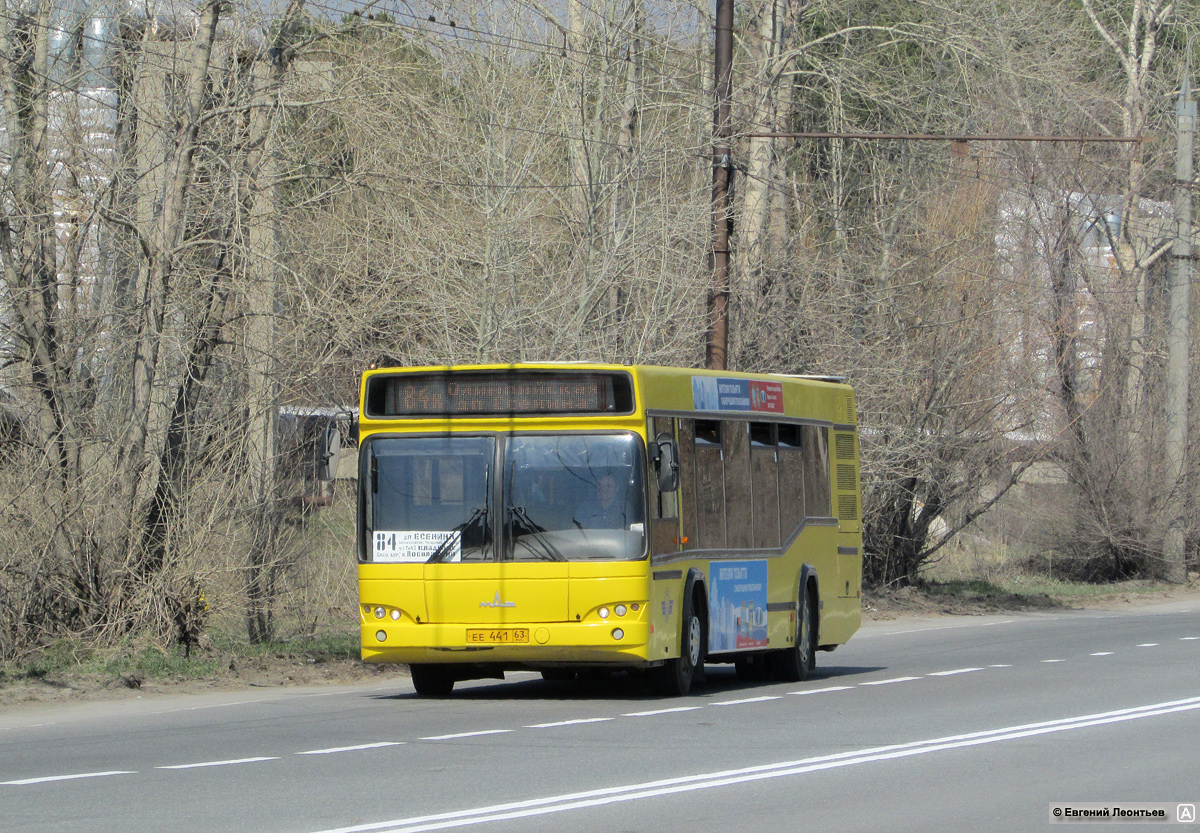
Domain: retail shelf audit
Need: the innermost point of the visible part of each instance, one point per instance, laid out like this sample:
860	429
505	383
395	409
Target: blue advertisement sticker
713	393
737	605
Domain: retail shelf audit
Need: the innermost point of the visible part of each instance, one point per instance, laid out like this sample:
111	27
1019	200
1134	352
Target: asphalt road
967	723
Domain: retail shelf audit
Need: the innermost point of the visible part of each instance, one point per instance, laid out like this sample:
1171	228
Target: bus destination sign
497	393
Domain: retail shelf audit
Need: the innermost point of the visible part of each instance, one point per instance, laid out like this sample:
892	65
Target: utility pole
717	341
1178	335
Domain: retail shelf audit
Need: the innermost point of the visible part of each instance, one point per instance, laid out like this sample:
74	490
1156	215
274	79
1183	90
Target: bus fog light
380	613
381	636
619	610
395	615
604	613
618	633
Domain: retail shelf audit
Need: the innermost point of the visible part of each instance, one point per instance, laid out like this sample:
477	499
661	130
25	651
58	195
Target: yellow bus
569	517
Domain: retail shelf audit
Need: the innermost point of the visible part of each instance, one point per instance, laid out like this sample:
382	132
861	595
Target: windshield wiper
448	546
548	551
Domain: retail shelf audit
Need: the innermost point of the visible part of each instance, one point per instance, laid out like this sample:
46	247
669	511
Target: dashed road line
745	700
654	712
892	680
47	778
1148	645
952	673
575	722
357	748
232	762
823	690
1102	654
458	735
1053	660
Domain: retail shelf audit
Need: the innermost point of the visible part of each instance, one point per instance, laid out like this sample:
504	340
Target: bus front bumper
610	642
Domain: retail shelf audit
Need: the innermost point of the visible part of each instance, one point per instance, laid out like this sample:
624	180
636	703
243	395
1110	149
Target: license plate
492	637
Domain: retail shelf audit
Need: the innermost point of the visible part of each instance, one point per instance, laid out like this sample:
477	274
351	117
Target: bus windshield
576	497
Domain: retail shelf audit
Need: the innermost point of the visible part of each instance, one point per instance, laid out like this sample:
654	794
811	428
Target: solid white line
468	734
381	743
632	792
892	680
47	778
575	722
952	673
1148	645
218	763
762	699
663	711
1103	654
823	690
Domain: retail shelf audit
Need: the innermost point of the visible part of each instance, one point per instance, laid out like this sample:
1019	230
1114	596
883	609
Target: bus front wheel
432	680
675	676
794	664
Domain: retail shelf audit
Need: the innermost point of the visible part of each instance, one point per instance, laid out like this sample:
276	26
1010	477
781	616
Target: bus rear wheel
432	680
794	664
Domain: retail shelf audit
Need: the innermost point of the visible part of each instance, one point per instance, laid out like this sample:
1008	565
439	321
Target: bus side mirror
328	447
666	462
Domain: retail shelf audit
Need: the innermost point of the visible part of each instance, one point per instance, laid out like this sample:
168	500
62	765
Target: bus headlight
603	613
381	636
395	615
380	612
618	633
619	610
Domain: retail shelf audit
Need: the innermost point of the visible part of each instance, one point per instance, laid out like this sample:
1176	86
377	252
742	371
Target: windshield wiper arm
550	552
456	534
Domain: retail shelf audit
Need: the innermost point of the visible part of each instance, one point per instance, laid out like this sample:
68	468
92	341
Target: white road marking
331	751
219	763
575	722
45	778
1148	645
999	666
743	701
689	783
653	712
1188	638
823	690
1054	660
1103	654
892	680
947	627
468	734
952	673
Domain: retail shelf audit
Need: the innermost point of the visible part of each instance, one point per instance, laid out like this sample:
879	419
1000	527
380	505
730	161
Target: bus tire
794	664
675	676
432	680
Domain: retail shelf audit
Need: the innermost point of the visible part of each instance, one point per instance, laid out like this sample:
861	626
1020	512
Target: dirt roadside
306	668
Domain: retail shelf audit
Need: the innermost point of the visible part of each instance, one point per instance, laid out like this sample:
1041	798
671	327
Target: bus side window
664	506
710	486
739	510
791	480
764	484
687	482
819	501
